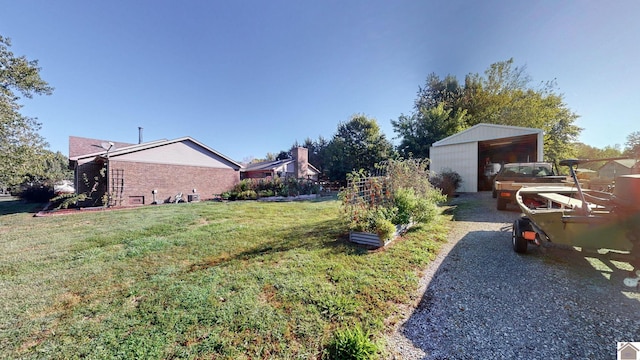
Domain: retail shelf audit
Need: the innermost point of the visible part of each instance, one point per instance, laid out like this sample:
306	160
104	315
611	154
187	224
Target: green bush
426	210
400	194
351	345
384	228
448	181
265	193
373	220
64	201
244	185
251	189
406	201
247	195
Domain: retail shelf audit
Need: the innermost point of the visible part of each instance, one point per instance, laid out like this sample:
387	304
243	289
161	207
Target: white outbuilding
468	152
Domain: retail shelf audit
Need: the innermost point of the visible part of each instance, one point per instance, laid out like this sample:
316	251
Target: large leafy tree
22	149
632	146
437	113
56	168
418	131
357	144
503	95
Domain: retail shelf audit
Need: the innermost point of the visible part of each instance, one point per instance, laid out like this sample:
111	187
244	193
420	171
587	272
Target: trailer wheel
494	193
501	204
517	240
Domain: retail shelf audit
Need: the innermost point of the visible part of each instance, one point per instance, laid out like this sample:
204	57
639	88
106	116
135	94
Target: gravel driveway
481	300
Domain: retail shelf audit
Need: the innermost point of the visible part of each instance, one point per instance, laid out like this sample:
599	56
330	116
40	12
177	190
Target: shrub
351	345
265	193
406	202
247	195
447	181
426	210
63	201
372	219
384	228
254	188
244	185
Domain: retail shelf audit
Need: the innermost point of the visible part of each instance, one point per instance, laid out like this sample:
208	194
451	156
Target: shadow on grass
330	235
12	205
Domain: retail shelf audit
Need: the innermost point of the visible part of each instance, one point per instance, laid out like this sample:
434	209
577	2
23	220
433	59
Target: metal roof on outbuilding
484	132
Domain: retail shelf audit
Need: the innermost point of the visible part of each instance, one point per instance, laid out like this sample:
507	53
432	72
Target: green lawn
239	280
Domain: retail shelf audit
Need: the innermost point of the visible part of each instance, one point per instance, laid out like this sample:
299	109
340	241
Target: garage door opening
501	151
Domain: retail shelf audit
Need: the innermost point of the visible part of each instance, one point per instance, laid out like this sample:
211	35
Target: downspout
108	193
107	174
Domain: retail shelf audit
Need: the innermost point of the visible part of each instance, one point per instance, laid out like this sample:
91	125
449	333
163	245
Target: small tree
358	144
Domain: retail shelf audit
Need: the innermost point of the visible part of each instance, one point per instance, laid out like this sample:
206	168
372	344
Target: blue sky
251	77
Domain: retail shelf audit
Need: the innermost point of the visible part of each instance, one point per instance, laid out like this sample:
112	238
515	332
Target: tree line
504	94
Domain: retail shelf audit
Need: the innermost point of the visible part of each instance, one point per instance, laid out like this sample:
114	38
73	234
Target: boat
583	218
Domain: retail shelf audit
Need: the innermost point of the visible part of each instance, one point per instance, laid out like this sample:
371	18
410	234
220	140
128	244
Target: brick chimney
301	161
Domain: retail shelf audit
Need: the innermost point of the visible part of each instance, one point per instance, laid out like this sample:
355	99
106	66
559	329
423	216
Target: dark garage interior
505	150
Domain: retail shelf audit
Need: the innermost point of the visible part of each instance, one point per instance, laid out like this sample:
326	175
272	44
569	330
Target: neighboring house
297	167
613	168
150	172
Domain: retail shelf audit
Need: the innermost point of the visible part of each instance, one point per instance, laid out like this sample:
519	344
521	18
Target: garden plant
399	194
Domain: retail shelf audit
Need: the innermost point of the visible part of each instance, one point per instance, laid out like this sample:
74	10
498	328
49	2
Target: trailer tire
494	193
517	240
501	204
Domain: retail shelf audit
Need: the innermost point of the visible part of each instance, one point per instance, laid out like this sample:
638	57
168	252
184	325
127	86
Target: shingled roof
79	146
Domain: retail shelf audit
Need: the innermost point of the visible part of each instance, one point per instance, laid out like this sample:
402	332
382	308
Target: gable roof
272	165
628	163
482	132
81	145
267	165
129	149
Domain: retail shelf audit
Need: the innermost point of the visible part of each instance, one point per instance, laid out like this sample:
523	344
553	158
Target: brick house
149	172
297	167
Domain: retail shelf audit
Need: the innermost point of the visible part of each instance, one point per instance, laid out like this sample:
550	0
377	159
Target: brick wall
139	179
300	156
